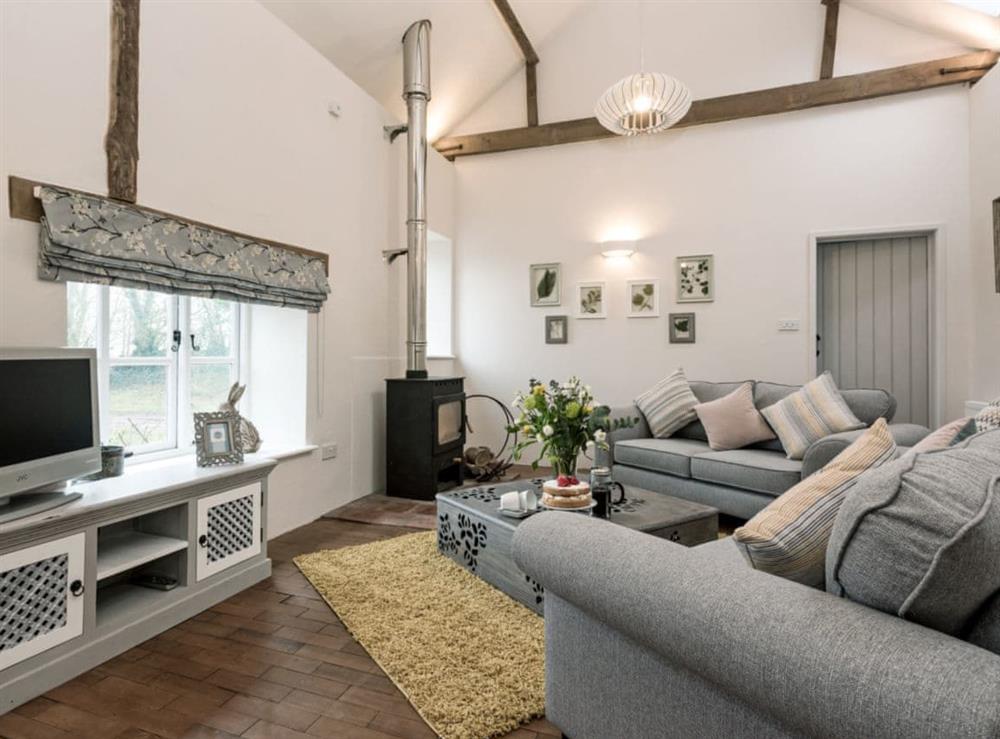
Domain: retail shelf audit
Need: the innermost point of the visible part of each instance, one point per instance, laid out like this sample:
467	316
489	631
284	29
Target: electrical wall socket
788	324
329	451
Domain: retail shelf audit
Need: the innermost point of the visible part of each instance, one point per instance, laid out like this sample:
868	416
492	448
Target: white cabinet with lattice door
41	598
229	529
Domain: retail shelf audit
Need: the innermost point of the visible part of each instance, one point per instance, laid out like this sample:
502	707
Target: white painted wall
234	130
750	192
985	166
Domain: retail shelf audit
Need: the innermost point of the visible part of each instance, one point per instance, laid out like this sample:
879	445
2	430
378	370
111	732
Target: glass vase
563	465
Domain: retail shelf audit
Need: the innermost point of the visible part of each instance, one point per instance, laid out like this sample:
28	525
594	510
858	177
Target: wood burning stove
425	435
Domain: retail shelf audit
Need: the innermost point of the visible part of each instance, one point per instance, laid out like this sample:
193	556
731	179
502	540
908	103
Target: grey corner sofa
646	639
742	481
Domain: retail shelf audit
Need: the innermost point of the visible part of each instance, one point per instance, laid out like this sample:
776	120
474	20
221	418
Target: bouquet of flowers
564	420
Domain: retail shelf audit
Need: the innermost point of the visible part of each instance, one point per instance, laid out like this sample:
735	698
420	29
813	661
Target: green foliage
564	420
547	284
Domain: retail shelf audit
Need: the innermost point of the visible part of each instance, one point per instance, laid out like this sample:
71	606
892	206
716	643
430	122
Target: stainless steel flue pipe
416	93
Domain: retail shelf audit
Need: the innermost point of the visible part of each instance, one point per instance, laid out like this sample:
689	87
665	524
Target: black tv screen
45	408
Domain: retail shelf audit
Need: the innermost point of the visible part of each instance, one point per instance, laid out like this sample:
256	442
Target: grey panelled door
873	314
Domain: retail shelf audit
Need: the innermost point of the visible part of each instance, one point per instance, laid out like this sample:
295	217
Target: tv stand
23	505
73	576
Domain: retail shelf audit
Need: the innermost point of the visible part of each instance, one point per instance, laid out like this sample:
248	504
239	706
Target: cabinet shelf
129	549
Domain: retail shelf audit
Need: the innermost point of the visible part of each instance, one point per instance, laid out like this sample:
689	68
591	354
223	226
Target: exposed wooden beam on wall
829	39
908	78
530	57
531	85
122	140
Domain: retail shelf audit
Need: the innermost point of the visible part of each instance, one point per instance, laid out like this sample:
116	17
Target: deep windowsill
276	451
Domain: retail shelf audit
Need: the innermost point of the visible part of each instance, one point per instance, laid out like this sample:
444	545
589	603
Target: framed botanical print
556	330
643	298
545	283
696	279
590	300
681	328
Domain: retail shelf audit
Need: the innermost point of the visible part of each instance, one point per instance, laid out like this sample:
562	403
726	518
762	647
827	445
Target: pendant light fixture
646	102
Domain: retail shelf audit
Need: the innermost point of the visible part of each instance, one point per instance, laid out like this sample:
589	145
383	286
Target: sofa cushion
920	538
985	628
809	414
758	470
668	405
948	435
989	417
705	392
868	405
672	456
732	421
789	538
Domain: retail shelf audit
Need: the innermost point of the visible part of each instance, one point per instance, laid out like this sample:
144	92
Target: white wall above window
439	296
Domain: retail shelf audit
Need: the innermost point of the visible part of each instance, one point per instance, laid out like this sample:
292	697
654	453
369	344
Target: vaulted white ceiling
473	53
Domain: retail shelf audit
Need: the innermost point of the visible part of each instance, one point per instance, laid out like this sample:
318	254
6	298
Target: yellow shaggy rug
470	659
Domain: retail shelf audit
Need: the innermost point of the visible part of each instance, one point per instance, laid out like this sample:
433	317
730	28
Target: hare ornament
251	437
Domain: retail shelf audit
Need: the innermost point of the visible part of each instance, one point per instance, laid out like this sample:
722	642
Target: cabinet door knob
203	540
76	587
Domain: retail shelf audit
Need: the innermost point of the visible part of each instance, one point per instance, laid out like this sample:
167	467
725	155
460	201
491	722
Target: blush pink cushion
732	422
943	438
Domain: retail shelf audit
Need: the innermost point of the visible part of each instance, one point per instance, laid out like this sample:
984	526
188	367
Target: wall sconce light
617	249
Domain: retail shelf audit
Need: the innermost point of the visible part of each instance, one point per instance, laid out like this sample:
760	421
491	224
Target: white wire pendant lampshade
646	102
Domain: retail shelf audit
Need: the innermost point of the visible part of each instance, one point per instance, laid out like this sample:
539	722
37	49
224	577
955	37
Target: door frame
937	297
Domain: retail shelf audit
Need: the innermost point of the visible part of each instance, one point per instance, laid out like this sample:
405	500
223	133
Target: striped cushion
789	537
805	416
669	405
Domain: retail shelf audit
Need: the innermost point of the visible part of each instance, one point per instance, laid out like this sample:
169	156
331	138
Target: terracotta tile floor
270	662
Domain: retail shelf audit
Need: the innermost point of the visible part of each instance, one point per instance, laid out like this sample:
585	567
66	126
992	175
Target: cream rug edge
468	658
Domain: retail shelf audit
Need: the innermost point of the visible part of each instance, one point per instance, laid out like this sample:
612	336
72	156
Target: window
439	295
160	358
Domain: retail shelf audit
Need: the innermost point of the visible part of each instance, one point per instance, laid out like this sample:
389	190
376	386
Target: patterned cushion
946	436
815	411
732	421
669	405
920	538
789	537
989	417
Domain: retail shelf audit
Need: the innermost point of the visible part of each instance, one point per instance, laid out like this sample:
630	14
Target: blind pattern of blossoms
88	238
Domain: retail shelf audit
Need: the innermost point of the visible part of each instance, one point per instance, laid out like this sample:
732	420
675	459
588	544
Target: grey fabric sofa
743	481
647	639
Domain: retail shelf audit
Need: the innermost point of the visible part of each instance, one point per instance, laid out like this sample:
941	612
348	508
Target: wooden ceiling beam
530	58
829	39
850	88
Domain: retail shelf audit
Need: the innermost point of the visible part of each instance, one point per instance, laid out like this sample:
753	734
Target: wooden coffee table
472	531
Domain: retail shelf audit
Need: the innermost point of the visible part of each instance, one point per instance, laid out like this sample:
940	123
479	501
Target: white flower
540	439
548	430
590	444
600	436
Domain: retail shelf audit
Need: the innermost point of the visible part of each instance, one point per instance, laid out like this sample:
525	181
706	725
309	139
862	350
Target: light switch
329	451
788	324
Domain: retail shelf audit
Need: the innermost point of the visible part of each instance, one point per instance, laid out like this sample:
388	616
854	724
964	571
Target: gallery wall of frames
693	282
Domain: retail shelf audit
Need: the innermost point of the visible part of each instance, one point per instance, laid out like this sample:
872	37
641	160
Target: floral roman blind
88	238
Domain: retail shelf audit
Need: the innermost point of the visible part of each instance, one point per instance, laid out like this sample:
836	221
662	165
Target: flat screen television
49	424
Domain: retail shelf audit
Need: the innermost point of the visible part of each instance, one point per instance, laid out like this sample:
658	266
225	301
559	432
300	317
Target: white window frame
180	425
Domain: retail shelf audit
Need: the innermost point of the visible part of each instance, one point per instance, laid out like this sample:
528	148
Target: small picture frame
556	329
217	439
996	241
643	298
681	328
591	300
545	283
696	279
